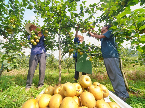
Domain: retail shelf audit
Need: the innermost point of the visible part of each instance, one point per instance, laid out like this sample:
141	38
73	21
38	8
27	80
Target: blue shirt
108	47
76	40
39	48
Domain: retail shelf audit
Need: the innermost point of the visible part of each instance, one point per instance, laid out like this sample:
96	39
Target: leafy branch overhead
62	16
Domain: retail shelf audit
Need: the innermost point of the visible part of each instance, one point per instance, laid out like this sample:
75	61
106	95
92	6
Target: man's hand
90	33
95	33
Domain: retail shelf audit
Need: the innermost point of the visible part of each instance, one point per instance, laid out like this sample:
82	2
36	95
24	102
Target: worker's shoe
39	87
122	98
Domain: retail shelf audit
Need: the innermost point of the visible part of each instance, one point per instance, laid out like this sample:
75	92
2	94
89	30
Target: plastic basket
120	102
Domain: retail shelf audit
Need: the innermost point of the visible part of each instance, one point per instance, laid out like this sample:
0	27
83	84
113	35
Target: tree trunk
68	70
59	59
1	70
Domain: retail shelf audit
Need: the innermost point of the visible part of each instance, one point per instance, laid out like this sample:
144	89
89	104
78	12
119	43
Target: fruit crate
120	102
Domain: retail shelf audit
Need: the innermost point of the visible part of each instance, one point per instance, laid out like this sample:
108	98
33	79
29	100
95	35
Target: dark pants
76	72
33	61
115	76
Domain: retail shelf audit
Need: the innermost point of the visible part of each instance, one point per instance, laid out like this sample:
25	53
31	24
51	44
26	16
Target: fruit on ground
88	99
55	101
57	89
77	100
79	89
74	95
105	90
96	91
102	104
85	81
38	97
113	105
31	103
44	100
83	107
69	102
49	90
69	89
61	92
96	83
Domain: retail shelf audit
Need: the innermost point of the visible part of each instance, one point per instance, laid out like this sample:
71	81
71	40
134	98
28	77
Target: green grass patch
13	94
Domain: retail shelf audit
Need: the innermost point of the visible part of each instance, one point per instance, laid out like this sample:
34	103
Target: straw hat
27	27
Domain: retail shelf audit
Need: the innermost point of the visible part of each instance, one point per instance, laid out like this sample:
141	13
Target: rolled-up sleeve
108	33
29	38
76	40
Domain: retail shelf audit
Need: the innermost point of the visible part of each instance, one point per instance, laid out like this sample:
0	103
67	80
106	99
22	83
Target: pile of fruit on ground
84	94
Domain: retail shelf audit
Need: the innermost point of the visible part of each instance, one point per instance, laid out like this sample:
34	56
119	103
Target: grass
13	94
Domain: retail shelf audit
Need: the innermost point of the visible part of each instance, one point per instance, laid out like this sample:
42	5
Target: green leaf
142	27
114	8
126	11
47	8
131	27
139	48
142	40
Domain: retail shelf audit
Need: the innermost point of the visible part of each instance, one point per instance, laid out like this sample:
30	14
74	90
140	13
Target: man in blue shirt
111	61
38	55
77	40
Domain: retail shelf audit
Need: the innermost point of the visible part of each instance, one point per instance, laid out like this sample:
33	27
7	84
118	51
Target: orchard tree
67	63
61	17
52	62
126	24
10	25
